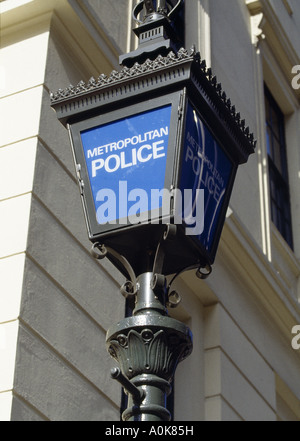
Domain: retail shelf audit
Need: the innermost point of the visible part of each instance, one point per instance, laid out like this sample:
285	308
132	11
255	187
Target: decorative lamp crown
156	31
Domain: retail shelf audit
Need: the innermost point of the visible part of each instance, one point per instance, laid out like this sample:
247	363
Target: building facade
57	302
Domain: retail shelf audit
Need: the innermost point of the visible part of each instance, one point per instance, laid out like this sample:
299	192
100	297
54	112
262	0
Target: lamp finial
155	30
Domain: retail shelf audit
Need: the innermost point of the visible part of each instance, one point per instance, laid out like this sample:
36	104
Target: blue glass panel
126	159
205	166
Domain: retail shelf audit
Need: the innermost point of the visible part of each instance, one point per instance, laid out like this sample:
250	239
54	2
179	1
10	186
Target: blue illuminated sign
125	160
205	166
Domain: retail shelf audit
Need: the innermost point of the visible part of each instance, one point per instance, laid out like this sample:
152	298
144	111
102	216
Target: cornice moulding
95	28
84	38
258	274
274	32
245	262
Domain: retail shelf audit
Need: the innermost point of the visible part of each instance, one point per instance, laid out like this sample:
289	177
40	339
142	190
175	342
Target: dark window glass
278	171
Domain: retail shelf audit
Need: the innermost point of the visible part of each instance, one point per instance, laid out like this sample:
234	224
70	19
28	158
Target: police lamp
155	144
156	147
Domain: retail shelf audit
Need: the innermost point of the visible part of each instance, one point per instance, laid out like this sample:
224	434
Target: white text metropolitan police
142	151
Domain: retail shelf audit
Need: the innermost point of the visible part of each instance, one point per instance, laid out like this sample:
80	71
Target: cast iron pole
148	346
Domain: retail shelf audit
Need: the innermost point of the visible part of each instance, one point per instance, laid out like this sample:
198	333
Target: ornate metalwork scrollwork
152	351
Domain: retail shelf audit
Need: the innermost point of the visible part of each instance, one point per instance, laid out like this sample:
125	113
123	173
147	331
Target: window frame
278	168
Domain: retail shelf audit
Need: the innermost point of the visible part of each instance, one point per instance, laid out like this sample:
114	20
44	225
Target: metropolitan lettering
124	143
129	158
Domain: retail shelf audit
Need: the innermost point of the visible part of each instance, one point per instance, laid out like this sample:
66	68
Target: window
278	171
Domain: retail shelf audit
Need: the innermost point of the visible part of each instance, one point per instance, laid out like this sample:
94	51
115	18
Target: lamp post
156	149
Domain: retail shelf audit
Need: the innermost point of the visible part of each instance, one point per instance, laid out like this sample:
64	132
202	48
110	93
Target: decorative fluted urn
148	347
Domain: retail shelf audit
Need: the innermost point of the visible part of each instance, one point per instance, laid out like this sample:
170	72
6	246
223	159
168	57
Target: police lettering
124	143
129	158
209	177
